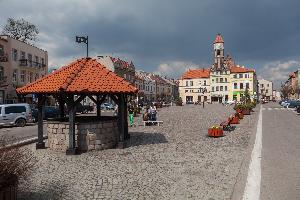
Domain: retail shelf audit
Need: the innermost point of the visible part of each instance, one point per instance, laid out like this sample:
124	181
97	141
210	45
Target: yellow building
241	79
194	86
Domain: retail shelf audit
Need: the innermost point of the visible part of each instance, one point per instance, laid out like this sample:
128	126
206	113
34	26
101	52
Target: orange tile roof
219	39
196	73
236	69
84	75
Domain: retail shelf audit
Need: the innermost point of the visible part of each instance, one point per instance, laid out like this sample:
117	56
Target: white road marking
269	108
252	188
263	109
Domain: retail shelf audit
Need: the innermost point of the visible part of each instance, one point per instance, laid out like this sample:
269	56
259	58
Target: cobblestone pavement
173	161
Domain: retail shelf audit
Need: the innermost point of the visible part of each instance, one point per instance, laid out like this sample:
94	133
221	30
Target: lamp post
80	39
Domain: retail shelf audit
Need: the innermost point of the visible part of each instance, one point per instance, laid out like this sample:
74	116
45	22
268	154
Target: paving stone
173	161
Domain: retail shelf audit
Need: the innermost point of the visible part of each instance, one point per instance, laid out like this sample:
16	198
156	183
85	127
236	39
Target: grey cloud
156	32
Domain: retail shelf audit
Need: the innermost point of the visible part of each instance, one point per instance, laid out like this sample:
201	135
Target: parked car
107	106
189	102
293	104
285	103
298	109
84	108
15	114
49	112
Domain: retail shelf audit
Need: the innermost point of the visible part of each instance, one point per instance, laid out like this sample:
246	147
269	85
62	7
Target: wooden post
121	120
126	134
98	106
61	107
41	101
72	112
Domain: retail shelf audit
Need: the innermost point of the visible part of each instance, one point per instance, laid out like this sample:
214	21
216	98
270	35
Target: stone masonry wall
89	135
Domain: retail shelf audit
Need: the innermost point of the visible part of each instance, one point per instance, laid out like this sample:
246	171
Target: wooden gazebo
82	78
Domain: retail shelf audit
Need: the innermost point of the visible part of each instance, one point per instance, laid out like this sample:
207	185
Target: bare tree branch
20	29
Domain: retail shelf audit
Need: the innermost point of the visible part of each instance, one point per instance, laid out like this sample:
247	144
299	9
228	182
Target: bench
153	122
227	124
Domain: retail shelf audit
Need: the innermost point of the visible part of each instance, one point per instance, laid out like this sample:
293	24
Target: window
191	82
234	97
225	88
221	80
186	91
267	90
235	85
23	55
240	75
1	73
234	75
204	82
43	61
267	85
262	85
218	52
221	88
225	80
247	85
30	77
241	86
186	83
199	82
15	75
217	88
23	74
212	89
30	59
15	54
217	80
15	109
212	80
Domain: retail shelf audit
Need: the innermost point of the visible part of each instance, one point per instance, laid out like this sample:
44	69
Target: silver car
15	114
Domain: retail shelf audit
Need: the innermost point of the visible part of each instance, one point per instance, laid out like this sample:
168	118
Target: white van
15	114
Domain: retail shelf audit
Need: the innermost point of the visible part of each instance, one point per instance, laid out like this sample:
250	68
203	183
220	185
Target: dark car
294	104
84	108
49	112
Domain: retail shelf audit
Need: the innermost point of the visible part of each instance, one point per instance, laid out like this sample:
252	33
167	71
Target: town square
149	100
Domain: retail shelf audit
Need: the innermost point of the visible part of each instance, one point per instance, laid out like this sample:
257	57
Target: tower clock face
219	46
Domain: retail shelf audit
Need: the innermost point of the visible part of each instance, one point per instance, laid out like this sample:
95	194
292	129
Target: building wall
195	90
242	79
220	80
265	89
26	71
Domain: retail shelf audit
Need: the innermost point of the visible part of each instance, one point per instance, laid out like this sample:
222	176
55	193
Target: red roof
84	75
236	69
292	75
196	73
219	39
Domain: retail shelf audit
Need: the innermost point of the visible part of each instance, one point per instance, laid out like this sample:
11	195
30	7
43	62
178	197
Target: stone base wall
88	136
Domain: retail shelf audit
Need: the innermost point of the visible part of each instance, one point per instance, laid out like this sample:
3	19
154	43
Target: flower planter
246	111
239	110
235	120
239	115
215	132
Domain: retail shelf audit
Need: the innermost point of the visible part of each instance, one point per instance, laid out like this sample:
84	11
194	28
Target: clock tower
219	52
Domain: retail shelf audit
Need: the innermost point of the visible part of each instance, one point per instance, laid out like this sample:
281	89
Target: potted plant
215	131
15	163
247	109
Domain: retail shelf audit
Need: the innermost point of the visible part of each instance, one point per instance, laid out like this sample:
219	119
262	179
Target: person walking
130	111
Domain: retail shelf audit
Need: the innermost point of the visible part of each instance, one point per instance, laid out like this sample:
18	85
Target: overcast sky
168	36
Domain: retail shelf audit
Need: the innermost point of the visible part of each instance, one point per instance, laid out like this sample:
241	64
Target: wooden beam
61	106
92	98
98	106
115	99
80	99
41	103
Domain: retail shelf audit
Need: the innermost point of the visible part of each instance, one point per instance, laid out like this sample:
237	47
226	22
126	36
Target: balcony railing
29	63
3	58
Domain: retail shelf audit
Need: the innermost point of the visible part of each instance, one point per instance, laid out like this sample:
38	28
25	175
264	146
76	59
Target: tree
20	29
285	91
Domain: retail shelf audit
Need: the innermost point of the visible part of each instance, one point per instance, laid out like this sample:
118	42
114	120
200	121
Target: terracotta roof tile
237	69
81	76
196	73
